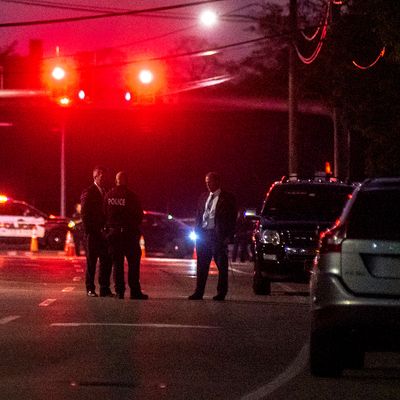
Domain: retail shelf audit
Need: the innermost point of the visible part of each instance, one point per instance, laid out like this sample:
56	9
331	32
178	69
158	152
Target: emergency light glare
58	73
193	236
128	96
82	94
64	101
146	76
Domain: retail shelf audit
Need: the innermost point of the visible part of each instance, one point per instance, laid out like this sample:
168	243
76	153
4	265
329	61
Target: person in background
124	214
242	238
93	220
215	225
77	231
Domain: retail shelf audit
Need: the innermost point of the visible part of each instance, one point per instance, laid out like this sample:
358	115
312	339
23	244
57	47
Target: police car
19	221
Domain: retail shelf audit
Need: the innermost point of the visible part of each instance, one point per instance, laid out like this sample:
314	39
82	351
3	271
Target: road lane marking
76	279
291	371
238	271
68	289
79	270
8	319
47	302
174	326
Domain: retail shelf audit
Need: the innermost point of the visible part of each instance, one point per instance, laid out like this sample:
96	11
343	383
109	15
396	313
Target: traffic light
60	79
145	82
146	76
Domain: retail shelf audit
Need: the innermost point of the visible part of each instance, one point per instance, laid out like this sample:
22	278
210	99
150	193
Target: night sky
166	151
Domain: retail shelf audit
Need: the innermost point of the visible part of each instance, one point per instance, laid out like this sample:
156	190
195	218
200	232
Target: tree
363	95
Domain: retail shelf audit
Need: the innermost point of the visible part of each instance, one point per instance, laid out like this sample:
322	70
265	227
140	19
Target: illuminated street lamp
208	18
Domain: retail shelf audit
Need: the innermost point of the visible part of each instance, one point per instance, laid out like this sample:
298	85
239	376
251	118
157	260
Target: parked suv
355	284
18	219
286	237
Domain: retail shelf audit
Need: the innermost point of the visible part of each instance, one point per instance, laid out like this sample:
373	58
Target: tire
174	249
353	352
56	239
325	354
261	285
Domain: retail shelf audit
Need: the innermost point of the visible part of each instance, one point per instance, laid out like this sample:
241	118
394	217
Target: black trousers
96	249
121	245
208	246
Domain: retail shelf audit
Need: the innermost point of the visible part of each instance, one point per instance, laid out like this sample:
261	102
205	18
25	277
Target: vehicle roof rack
319	176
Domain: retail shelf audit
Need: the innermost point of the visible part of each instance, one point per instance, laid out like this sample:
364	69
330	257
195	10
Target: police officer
124	215
93	220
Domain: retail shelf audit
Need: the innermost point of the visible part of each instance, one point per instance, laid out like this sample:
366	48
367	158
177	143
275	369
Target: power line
86	8
105	15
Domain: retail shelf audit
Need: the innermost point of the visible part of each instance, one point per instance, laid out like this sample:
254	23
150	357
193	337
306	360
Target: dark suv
293	214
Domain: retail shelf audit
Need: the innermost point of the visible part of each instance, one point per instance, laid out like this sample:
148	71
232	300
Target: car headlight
71	224
193	236
268	236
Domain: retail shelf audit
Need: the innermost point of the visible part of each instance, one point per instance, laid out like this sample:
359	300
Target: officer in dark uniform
93	220
124	215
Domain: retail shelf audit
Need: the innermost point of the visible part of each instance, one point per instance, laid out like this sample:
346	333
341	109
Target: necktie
210	202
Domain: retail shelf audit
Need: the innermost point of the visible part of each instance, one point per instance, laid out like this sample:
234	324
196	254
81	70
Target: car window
375	215
12	209
309	202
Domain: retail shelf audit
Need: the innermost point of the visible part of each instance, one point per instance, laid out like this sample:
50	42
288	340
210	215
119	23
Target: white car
355	282
19	221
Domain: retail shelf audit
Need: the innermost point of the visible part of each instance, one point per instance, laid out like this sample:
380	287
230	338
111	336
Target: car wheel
261	285
56	239
174	249
353	353
325	354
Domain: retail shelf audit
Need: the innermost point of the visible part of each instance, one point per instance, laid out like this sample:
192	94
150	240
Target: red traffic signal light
58	73
146	76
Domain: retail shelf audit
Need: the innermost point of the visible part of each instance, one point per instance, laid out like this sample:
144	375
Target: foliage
368	99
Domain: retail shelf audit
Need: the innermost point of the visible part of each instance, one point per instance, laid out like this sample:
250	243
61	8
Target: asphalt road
56	343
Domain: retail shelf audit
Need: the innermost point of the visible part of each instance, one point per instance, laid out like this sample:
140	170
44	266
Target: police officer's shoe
106	293
219	297
139	296
195	296
91	293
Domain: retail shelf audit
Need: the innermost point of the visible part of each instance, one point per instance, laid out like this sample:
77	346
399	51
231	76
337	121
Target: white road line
284	287
47	302
76	279
68	289
8	319
291	371
238	271
79	270
175	326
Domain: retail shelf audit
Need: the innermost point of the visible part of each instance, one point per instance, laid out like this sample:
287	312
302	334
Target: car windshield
375	215
306	202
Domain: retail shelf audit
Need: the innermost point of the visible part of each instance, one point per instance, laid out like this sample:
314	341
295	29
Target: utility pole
341	133
292	95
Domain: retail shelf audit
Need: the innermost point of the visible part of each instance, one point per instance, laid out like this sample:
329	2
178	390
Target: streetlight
208	18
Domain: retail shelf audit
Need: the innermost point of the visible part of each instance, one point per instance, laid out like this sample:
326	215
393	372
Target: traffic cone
69	247
34	241
194	255
142	246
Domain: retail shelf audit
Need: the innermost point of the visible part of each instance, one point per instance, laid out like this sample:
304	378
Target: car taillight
331	240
